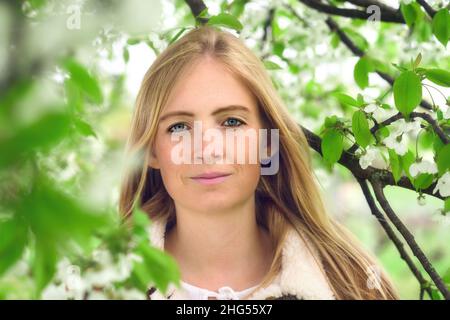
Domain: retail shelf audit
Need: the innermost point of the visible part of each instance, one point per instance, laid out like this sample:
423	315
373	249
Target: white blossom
402	126
372	157
380	114
422	166
398	138
443	185
108	271
399	143
69	284
54	292
445	112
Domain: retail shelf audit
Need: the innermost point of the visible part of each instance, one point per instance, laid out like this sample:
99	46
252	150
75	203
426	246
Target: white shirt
223	293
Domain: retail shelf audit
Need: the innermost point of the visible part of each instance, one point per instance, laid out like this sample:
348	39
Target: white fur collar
300	274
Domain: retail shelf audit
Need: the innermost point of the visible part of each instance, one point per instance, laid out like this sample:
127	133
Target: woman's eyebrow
214	113
233	107
176	113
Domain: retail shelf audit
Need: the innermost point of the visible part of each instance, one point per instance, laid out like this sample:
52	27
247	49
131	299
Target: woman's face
209	95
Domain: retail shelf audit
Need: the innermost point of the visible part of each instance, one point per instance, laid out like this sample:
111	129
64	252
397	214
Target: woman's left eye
233	122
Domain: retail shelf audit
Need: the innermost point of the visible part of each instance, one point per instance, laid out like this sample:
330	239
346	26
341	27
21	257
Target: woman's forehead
207	86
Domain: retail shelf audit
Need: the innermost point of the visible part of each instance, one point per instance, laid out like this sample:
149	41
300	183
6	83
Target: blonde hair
290	198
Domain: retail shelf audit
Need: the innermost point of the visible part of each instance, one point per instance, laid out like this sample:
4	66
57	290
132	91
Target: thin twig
386	15
431	12
409	238
391	234
425	116
437	129
358	52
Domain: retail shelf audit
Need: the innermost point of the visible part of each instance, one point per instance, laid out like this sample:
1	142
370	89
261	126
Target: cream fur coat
300	276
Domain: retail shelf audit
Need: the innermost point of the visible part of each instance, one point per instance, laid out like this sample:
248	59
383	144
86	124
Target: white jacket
300	276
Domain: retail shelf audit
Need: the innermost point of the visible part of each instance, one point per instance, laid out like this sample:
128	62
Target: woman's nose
209	142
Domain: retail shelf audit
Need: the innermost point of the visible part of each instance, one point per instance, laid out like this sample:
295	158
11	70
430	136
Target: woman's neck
220	248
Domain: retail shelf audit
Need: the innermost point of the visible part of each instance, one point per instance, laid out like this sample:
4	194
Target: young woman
235	233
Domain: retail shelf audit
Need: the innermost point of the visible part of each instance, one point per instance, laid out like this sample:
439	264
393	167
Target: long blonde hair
290	198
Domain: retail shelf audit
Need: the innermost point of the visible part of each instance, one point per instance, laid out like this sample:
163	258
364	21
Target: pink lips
211	177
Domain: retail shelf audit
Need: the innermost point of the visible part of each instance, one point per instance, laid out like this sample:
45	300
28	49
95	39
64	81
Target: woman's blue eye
233	122
177	127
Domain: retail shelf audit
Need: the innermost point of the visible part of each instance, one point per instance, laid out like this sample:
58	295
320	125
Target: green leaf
437	144
435	294
407	92
44	265
443	159
360	127
126	55
225	20
133	41
332	146
395	165
358	39
156	267
43	133
417	61
203	14
361	72
177	35
423	30
331	121
409	13
382	132
13	238
270	65
237	7
278	48
438	76
56	218
84	128
85	81
441	26
74	96
406	161
447	210
37	4
346	99
335	40
423	181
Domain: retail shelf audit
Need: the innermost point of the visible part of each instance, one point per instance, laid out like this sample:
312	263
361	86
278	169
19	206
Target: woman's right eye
177	127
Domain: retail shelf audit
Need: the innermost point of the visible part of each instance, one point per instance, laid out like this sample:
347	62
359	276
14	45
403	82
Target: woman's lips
211	178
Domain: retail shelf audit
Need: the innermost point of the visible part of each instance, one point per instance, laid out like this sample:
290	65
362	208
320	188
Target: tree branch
424	285
425	116
386	15
431	12
358	52
444	138
409	238
351	162
267	28
368	3
197	6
